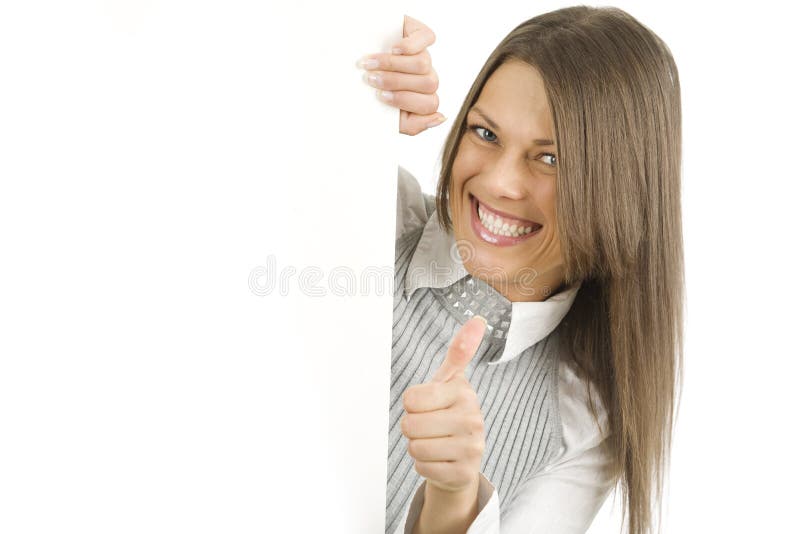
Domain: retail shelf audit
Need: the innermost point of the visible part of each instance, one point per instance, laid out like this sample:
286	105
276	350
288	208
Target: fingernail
386	96
373	79
436	122
367	63
482	319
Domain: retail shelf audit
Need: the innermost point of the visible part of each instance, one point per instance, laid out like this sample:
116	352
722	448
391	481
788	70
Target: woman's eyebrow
494	126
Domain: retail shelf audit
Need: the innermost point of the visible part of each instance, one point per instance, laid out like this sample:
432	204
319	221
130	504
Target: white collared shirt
566	495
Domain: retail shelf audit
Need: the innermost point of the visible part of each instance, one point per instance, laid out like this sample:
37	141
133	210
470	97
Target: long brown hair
614	96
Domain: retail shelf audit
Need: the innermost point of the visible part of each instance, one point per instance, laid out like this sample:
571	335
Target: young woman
557	220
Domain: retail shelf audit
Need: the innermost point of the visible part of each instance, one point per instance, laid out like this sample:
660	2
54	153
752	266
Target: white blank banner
164	166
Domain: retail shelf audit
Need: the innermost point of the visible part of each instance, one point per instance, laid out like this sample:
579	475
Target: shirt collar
437	263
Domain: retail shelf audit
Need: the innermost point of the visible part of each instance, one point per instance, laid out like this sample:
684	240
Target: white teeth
497	226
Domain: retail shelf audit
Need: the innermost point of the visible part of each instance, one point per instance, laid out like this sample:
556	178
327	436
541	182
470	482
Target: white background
162	164
153	154
735	462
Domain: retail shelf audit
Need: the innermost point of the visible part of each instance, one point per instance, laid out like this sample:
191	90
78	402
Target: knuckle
410	129
419	468
391	81
467	395
400	100
428	85
424	63
476	424
409	424
433	82
404	424
426	104
385	80
424	469
407	399
434	103
412	448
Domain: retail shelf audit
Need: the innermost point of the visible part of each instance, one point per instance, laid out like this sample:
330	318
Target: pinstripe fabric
518	398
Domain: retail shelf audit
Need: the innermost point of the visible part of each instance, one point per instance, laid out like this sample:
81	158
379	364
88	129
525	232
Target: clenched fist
443	420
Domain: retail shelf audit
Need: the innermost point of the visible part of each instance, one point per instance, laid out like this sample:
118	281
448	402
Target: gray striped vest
518	398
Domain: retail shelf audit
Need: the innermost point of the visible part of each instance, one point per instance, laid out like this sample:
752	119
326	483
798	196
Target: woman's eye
487	135
552	160
476	128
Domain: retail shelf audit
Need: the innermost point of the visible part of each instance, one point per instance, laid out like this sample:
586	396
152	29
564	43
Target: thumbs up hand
443	420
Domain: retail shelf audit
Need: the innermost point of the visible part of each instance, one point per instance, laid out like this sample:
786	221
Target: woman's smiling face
505	174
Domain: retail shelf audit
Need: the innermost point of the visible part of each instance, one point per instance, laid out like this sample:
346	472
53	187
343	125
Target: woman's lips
490	237
511	218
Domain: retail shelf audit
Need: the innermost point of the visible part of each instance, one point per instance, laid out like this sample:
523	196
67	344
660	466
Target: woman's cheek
469	160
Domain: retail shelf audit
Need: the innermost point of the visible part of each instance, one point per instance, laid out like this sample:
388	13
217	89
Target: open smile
498	228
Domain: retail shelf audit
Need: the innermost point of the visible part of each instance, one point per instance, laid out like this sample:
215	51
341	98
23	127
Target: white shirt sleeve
413	206
565	496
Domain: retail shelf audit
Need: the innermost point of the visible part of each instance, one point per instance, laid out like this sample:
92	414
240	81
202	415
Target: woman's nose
507	180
